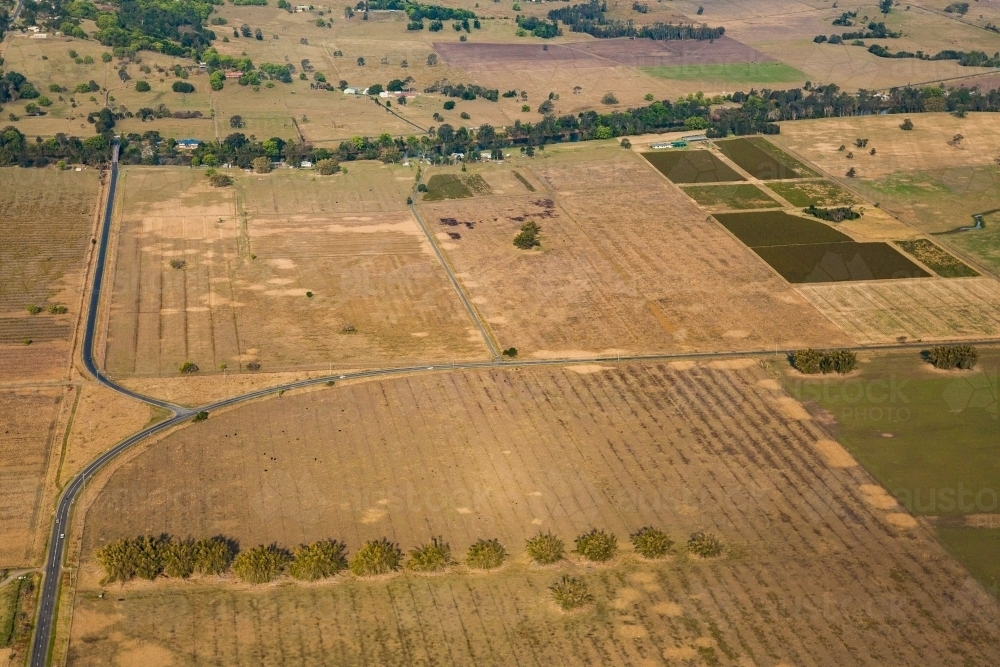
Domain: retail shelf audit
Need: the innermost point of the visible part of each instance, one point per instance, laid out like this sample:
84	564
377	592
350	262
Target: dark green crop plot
836	262
762	159
809	251
692	166
768	228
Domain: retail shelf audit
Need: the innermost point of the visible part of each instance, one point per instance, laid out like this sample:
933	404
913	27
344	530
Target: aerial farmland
652	333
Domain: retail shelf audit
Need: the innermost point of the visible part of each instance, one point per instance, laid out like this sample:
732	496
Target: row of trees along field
757	113
590	18
149	557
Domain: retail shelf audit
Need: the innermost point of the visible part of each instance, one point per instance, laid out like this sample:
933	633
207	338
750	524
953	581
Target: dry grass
627	264
504	453
928	309
28	440
925	147
241	296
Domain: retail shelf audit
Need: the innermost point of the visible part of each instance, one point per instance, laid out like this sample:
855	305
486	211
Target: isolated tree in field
545	548
907	124
949	357
236	122
570	593
377	557
597	545
142	86
430	557
212	556
650	542
851	173
319	560
432	60
609	98
189	367
486	554
361	62
527	238
261	165
260	564
885	6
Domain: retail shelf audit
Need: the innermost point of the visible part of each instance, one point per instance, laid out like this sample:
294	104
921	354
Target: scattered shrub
220	180
200	417
253	366
319	560
177	264
55	309
950	357
545	548
188	367
597	546
328	167
705	545
182	87
906	125
486	554
261	564
571	593
349	329
430	557
838	214
651	543
377	557
33	309
510	352
609	98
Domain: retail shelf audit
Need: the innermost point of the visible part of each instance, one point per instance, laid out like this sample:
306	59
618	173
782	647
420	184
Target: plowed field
47	219
816	571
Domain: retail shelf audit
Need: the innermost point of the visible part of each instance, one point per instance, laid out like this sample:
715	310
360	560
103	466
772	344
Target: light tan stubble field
820	566
627	264
242	293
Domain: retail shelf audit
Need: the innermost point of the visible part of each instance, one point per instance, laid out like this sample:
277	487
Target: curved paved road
42	642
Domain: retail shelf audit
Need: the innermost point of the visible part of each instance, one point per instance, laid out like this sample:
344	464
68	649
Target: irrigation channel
42	641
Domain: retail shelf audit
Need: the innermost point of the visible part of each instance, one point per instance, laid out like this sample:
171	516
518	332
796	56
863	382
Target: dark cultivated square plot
767	228
837	262
808	251
692	166
762	159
